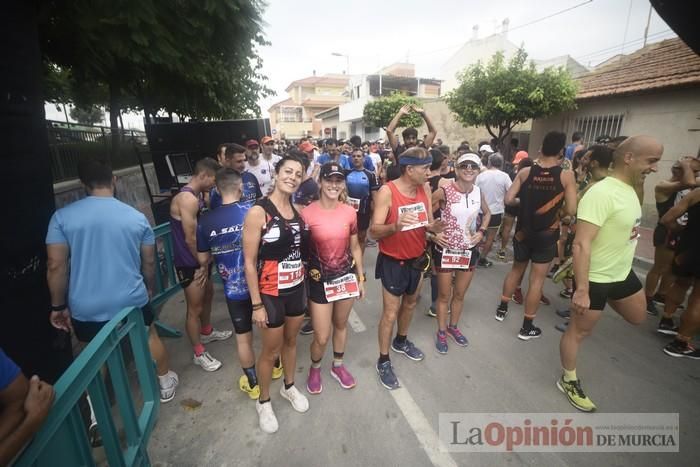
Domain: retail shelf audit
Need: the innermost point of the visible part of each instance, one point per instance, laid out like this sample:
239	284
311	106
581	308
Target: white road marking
355	322
429	440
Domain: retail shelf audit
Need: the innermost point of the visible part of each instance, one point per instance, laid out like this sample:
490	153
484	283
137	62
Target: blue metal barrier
63	440
166	286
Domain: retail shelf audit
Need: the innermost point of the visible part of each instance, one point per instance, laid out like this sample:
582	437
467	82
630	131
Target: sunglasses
468	166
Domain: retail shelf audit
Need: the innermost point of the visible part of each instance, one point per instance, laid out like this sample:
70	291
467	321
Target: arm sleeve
9	371
55	233
595	207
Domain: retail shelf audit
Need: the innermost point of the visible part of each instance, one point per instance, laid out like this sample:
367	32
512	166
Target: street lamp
347	61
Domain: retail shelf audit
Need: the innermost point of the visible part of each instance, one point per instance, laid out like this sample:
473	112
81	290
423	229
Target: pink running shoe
313	383
343	377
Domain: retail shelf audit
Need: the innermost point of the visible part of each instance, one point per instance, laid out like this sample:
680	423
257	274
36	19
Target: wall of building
670	116
131	189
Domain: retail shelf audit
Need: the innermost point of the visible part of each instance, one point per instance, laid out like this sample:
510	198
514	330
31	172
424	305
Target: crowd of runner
286	226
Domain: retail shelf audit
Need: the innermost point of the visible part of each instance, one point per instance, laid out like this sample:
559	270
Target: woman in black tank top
272	252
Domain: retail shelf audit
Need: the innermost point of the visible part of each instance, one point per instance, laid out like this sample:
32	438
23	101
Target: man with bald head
606	238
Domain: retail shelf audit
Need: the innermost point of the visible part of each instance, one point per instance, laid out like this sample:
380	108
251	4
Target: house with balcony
295	117
399	77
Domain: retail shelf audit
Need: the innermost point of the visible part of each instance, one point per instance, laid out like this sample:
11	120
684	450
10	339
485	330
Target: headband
410	160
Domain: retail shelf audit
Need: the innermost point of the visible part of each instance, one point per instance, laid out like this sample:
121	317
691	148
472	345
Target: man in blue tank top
220	234
232	156
362	187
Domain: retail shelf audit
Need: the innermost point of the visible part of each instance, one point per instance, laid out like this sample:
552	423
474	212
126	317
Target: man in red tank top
401	220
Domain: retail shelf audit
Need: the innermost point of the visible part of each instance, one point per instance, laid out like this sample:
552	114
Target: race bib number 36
341	288
419	210
456	259
289	274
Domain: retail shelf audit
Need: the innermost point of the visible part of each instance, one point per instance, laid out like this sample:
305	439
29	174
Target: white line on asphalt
429	440
355	322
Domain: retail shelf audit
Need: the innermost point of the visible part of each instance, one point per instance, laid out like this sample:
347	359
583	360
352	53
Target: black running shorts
397	276
600	293
241	312
522	252
185	275
291	304
495	221
85	331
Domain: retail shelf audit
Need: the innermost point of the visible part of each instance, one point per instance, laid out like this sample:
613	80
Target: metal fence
69	143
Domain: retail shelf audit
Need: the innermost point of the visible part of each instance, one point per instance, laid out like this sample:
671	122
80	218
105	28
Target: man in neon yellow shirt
606	238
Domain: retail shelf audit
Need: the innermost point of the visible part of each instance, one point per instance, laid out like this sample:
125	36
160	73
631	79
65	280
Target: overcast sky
377	33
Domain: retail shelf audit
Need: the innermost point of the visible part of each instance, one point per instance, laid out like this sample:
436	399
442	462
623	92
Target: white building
399	77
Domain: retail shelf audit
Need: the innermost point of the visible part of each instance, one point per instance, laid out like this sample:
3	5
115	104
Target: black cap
332	168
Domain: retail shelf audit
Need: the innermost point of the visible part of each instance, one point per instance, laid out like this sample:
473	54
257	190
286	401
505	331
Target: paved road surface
622	368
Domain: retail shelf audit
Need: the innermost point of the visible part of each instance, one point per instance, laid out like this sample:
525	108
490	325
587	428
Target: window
290	114
595	126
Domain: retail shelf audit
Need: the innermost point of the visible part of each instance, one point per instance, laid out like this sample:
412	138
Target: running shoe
206	361
278	371
387	376
544	300
576	396
561	327
167	386
216	335
244	385
441	342
457	336
651	308
518	296
667	326
313	382
408	349
564	271
566	314
501	255
299	401
266	417
431	312
551	272
307	329
567	293
343	377
484	263
678	348
526	334
501	314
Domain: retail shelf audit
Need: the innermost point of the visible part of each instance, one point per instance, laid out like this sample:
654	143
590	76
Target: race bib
342	287
419	210
289	274
354	203
456	259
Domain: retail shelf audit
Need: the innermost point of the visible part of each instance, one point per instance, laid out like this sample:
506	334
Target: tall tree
501	95
86	115
194	57
379	112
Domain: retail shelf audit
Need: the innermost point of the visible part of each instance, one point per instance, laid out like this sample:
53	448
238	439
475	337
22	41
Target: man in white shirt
263	167
494	183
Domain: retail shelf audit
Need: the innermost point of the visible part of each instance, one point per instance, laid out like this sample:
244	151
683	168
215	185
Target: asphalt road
622	368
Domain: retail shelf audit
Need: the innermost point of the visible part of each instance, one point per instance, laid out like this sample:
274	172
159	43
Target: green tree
501	95
194	57
379	112
86	115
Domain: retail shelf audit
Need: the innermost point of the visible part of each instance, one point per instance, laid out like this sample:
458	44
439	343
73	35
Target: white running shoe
266	417
168	383
216	335
207	362
299	401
